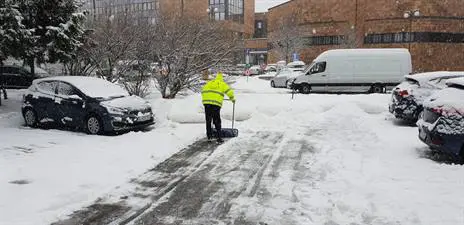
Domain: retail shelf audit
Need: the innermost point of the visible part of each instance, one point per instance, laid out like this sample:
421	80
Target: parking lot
316	159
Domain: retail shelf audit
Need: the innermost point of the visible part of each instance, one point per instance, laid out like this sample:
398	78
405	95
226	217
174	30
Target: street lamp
411	15
211	10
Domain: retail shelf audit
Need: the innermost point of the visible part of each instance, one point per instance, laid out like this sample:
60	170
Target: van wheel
377	88
272	84
93	125
305	89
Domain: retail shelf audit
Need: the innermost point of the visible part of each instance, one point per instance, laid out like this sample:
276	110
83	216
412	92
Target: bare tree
184	48
115	41
81	63
287	38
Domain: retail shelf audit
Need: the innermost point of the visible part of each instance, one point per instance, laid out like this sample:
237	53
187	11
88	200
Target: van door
341	76
318	77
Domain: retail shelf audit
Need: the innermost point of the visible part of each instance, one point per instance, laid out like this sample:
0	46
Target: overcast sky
263	5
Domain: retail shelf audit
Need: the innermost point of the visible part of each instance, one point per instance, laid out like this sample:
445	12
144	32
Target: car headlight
116	111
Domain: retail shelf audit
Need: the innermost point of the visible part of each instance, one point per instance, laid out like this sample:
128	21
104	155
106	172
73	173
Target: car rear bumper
445	143
405	109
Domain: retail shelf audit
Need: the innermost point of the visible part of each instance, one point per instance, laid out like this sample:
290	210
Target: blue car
90	104
441	125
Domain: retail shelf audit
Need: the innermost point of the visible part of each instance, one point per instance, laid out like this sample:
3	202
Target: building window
323	40
406	37
227	10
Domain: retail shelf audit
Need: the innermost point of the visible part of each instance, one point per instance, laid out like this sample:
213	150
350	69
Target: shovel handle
233	115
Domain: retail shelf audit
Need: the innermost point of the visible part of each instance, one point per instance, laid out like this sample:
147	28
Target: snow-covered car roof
448	98
296	63
90	86
456	81
423	78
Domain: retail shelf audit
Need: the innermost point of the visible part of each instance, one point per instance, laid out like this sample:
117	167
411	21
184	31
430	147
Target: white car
283	77
255	70
297	66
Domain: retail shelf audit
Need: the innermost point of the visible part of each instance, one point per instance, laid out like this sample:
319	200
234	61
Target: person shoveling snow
212	97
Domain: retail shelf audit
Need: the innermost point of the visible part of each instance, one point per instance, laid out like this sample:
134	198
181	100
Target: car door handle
323	75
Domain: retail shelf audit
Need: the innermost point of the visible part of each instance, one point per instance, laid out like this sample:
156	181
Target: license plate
143	118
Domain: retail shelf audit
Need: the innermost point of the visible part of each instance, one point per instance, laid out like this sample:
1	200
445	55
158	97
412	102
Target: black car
92	104
407	97
441	125
15	77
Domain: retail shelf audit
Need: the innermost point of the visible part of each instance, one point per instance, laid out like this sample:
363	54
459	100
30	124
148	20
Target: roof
371	51
280	4
90	86
456	81
425	77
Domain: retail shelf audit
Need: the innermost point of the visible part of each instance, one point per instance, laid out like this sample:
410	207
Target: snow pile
189	110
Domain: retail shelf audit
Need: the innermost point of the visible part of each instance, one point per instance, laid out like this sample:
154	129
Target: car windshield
412	81
97	88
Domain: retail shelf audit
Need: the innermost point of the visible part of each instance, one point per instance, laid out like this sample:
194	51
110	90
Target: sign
247	72
296	57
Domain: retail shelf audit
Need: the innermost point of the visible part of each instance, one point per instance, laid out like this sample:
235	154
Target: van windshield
308	68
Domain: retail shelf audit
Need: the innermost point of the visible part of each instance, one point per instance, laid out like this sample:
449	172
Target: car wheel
377	88
305	89
93	125
272	84
30	117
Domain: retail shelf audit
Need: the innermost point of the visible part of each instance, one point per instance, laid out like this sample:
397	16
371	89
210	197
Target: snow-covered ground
330	159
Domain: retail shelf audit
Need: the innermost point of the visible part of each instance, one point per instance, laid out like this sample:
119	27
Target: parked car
355	70
407	97
256	70
441	125
270	68
283	77
297	66
15	77
92	104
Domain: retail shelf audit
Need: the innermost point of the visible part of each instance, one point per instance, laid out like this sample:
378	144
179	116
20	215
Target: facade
235	15
257	46
144	10
433	30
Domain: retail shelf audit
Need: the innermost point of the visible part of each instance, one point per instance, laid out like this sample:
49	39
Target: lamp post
211	10
411	15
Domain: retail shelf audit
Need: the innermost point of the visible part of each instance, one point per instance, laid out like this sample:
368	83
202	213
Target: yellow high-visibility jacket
213	92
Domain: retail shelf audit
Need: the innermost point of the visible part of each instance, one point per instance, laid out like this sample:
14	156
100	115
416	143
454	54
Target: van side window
318	67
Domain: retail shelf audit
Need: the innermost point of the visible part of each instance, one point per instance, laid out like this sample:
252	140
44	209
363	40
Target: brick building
236	15
433	30
257	47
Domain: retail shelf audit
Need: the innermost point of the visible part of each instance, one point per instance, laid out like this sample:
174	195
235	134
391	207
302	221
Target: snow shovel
230	132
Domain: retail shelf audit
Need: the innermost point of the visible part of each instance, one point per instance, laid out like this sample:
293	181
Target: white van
355	70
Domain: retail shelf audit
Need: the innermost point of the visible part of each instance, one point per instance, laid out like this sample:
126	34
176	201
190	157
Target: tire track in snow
145	190
235	170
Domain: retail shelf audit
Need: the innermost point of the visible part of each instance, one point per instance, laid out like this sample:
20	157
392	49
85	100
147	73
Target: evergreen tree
56	26
12	31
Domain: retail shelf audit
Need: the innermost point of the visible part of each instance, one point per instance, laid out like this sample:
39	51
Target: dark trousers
213	114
